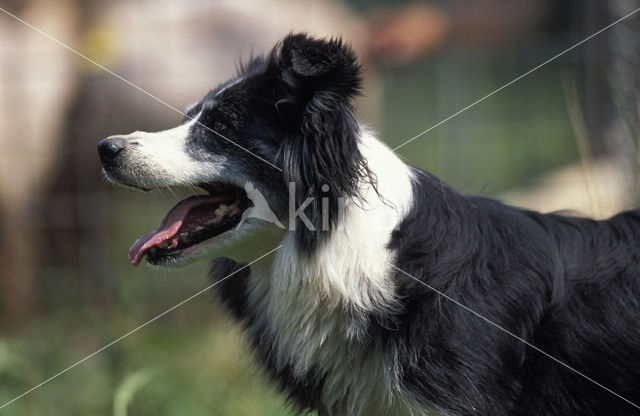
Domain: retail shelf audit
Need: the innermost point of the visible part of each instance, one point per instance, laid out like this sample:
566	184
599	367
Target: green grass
190	363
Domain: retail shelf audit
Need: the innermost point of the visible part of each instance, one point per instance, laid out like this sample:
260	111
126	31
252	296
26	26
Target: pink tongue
169	226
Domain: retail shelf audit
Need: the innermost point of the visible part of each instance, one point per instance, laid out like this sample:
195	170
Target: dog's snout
109	149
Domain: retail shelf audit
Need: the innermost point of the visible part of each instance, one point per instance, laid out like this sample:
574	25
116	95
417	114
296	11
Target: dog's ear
306	66
317	80
309	63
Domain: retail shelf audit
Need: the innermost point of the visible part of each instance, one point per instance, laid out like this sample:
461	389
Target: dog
378	289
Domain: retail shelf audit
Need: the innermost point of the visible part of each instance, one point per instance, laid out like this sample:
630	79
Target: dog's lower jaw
247	243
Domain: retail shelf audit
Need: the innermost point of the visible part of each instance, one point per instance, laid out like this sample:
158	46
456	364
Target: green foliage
192	363
503	142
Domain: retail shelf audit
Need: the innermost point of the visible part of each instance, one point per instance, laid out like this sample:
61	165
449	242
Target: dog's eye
219	126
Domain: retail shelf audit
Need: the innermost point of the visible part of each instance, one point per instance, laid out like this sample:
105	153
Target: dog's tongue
169	226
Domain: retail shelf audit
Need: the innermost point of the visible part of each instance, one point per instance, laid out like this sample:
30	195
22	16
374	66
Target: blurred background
564	137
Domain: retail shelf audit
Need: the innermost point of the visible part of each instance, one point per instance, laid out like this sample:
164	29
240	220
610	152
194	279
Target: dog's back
593	325
568	286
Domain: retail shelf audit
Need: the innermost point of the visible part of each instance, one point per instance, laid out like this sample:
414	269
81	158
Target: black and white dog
345	315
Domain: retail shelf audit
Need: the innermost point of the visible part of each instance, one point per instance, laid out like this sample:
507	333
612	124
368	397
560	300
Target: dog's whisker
171	191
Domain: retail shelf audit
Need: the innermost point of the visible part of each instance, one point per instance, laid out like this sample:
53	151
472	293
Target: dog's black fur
568	286
294	109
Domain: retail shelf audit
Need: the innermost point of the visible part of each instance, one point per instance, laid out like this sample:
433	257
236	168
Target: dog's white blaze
161	158
304	302
191	107
231	84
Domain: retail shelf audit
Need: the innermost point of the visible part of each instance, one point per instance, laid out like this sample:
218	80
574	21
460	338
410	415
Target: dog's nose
110	148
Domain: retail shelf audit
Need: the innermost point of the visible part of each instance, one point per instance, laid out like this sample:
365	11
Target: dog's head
279	137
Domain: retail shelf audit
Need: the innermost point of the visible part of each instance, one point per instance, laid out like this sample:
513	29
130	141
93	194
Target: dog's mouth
190	222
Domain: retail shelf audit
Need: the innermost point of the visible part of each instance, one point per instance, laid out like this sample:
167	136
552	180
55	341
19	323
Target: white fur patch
161	159
304	302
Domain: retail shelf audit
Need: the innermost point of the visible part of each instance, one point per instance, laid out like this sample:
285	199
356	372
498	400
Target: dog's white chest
314	334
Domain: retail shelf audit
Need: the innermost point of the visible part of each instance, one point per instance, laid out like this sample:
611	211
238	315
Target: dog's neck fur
316	309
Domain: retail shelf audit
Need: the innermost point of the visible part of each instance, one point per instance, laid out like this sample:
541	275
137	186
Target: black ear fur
328	64
319	78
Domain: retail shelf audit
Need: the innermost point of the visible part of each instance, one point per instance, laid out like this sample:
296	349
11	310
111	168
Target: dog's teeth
174	244
220	210
223	209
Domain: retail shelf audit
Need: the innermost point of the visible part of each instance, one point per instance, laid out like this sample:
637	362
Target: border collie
358	310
